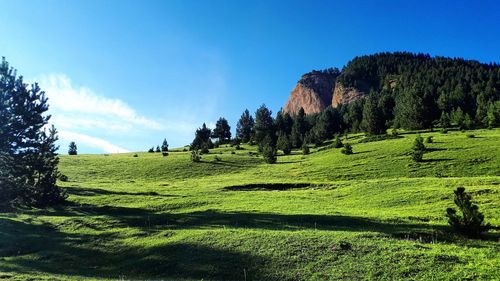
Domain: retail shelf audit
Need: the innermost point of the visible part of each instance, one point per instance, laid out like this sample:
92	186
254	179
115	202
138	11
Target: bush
232	152
151	150
471	223
269	154
135	155
417	155
284	143
164	154
305	149
204	149
429	139
395	132
337	143
195	155
63	178
418	149
347	149
444	131
471	136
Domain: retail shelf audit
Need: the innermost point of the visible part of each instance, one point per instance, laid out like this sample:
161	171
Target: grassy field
325	216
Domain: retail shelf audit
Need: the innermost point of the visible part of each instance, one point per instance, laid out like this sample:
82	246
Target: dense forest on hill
417	91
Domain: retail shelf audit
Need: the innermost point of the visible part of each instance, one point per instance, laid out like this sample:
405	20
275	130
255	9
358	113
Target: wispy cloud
66	98
92	142
91	119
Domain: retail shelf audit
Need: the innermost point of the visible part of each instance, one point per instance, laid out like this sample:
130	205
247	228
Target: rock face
313	92
345	95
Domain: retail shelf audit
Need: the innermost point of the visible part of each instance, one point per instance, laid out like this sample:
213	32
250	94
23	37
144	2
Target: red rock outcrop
313	92
345	95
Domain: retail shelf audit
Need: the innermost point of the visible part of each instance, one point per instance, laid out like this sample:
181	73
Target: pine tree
72	150
299	128
245	127
264	127
418	149
158	149
374	121
444	121
222	131
457	117
202	138
164	146
284	143
337	143
27	152
471	223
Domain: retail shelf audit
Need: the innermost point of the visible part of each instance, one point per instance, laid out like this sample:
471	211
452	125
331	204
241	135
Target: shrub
471	223
232	152
347	149
395	132
63	178
195	155
204	149
269	154
418	149
305	149
471	136
284	143
164	153
337	143
151	150
444	131
429	139
135	155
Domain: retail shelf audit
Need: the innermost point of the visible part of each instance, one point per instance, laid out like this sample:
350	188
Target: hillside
325	216
400	80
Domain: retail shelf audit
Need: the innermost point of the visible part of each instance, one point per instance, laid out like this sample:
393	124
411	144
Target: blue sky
123	75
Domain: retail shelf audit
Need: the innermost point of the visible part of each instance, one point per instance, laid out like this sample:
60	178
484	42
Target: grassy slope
154	217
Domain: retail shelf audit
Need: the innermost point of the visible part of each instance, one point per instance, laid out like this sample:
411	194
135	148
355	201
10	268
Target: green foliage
164	146
305	149
471	136
202	138
418	149
72	150
299	129
151	150
264	127
347	150
471	222
284	143
195	155
429	139
269	153
28	157
245	127
222	131
158	149
337	143
444	121
374	121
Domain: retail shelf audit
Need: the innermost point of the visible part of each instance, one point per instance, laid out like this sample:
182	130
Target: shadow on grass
82	191
39	248
435	160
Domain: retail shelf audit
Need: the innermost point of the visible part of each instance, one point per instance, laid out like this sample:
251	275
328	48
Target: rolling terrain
375	214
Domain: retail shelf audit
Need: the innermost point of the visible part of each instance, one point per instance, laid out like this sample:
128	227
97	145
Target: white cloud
91	141
80	106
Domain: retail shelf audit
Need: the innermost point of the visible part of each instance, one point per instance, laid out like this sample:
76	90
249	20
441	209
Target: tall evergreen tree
299	128
222	131
373	116
202	138
26	150
264	126
245	126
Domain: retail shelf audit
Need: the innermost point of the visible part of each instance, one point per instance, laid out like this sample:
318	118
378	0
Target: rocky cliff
317	90
313	92
346	95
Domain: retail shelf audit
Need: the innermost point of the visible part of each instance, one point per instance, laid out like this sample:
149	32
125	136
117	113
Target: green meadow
375	214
